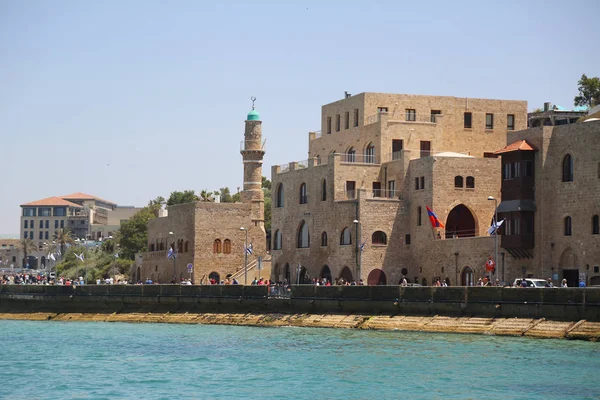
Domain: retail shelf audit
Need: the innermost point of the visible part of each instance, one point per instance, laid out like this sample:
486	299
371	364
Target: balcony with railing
253	145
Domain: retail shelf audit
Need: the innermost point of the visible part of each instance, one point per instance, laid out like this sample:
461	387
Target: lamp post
245	256
495	232
358	249
171	234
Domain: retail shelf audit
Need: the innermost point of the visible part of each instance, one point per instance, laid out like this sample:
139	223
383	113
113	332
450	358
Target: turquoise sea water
86	360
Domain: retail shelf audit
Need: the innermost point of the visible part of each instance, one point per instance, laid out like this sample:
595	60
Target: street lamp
495	232
245	256
358	249
174	256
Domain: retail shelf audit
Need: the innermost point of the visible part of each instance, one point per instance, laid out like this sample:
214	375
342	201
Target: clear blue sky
128	100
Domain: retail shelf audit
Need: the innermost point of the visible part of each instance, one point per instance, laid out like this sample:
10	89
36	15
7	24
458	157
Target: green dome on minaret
253	115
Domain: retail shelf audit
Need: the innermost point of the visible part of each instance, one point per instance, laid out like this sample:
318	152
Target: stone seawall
559	312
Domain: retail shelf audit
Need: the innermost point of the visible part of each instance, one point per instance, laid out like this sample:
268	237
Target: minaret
252	155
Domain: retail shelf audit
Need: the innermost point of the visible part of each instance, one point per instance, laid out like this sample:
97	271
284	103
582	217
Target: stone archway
346	275
467	277
460	223
325	274
376	277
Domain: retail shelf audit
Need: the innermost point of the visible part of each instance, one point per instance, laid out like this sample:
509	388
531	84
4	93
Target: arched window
458	181
277	240
324	190
567	169
180	246
303	195
217	246
470	182
318	160
227	246
346	237
568	231
279	199
303	237
595	225
379	237
185	246
351	155
370	153
324	239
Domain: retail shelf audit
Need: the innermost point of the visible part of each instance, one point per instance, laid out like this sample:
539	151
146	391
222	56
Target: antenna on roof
253	100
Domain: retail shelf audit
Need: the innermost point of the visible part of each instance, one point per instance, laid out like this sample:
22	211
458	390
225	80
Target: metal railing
354	158
252	145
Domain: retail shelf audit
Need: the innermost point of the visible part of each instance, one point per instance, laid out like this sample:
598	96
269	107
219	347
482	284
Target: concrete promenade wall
559	304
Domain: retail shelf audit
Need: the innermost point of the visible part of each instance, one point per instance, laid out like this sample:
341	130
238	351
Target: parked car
531	282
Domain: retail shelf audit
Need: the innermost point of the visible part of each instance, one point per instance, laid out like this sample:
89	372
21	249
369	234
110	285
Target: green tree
187	196
27	246
133	235
205	195
62	238
157	204
225	194
589	91
266	184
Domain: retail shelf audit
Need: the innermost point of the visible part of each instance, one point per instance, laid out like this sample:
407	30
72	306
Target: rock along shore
530	327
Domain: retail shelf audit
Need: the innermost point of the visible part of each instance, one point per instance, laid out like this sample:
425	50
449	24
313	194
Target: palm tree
49	247
63	238
27	246
205	195
156	205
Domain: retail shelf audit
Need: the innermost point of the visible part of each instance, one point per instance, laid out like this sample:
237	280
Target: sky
129	100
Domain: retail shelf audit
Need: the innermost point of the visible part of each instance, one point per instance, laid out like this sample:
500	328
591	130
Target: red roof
83	196
51	201
520	145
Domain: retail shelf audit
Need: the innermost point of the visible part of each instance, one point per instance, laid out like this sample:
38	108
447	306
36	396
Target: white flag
79	256
492	229
51	256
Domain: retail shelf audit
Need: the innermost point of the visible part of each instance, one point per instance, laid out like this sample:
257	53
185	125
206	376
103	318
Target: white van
531	282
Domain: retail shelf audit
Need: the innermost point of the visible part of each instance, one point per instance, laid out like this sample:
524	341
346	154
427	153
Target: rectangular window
14	259
376	189
55	224
41	224
347	120
419	214
382	109
44	212
397	146
510	122
356	117
82	222
31	235
25	234
328	125
351	189
468	120
425	148
528	168
46	235
29	212
26	224
391	189
434	114
337	122
422	182
411	114
416	183
516	228
47	224
489	121
41	235
407	238
60	211
62	223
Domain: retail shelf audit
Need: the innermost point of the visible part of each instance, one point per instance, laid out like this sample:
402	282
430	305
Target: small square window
510	122
382	109
411	114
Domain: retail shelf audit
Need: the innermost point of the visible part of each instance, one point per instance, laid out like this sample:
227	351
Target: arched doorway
460	223
376	277
304	277
466	277
214	278
325	274
287	273
346	275
569	266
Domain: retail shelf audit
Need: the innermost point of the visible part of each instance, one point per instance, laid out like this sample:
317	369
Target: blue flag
249	249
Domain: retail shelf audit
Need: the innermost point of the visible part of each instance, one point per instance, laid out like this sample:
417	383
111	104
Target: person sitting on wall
563	283
549	283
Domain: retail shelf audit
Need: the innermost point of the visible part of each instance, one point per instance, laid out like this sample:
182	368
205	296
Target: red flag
435	222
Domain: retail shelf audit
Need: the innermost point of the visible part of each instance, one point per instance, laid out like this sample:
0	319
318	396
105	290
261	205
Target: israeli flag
51	256
362	246
492	229
80	256
171	253
249	249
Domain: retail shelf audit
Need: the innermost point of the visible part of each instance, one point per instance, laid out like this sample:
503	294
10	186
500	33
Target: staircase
251	266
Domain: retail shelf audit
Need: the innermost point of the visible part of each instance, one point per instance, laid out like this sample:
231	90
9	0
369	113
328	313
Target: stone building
357	207
209	235
11	254
551	202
